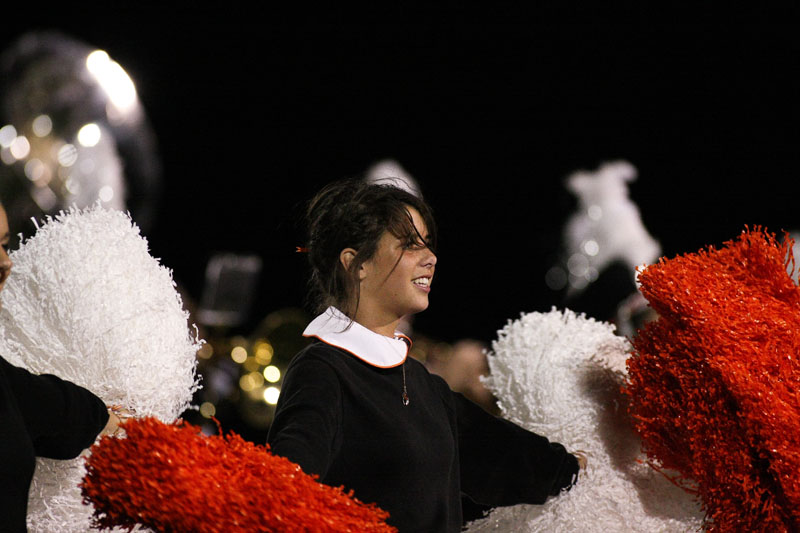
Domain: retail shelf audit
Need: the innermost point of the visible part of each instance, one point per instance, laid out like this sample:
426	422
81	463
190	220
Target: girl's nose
430	259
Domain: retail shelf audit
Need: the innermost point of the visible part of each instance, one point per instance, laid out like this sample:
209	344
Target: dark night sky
489	111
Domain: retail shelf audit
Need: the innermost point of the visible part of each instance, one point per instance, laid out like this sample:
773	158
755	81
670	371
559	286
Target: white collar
335	328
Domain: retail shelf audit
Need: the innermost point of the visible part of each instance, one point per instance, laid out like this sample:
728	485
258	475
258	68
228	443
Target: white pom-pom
559	374
88	303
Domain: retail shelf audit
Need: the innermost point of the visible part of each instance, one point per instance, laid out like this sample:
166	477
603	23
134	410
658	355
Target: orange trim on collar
335	329
356	355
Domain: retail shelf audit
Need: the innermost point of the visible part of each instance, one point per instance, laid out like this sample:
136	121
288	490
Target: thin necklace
405	391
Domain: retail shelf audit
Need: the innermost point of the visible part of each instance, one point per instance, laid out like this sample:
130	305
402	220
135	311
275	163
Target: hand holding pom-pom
559	374
582	460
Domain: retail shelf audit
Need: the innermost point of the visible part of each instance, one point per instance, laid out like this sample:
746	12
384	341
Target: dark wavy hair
354	213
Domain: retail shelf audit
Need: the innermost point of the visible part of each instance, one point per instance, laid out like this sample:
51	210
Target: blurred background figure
604	241
230	285
72	132
462	366
392	170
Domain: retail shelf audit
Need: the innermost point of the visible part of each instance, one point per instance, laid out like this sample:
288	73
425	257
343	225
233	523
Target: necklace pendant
405	391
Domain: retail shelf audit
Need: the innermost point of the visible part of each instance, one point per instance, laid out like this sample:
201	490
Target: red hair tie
301	250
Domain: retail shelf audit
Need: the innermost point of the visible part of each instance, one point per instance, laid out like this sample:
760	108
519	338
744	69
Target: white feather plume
87	302
558	374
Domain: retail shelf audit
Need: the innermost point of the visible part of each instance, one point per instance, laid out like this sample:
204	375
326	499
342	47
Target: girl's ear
346	257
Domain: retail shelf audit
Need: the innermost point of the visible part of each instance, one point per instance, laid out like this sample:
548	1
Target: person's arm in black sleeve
305	429
504	464
61	418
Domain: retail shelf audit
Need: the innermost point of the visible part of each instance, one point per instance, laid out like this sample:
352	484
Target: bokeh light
208	409
7	135
272	374
42	126
264	352
89	135
20	147
271	395
239	354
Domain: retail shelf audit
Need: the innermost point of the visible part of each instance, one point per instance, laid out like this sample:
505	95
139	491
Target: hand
580	455
116	415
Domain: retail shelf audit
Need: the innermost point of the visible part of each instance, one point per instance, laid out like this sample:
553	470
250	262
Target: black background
489	109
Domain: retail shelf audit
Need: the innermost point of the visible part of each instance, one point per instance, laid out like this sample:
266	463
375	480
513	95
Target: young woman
40	416
357	411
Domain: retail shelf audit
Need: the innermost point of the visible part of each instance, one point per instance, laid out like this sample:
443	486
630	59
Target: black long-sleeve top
40	416
343	418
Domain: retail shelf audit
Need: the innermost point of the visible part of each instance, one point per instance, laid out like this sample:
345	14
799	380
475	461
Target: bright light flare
271	395
20	147
113	79
7	135
272	374
89	135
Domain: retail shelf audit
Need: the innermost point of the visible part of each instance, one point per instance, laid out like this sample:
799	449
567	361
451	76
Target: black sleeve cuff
567	476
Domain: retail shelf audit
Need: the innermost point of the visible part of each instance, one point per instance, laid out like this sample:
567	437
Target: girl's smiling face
396	281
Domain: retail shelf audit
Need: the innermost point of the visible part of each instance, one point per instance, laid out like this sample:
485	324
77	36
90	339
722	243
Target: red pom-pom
171	477
714	381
